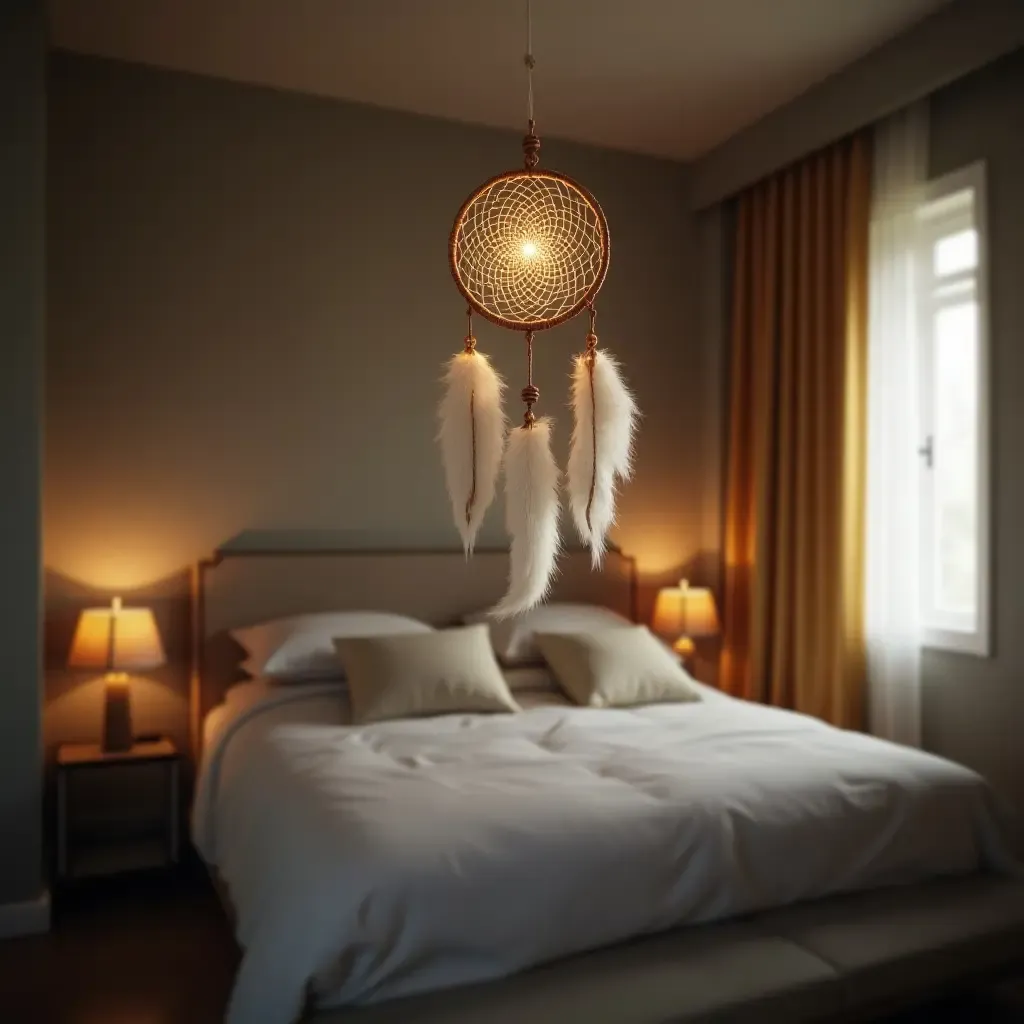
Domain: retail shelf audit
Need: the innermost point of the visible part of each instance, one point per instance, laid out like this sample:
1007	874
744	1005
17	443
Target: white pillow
301	648
515	641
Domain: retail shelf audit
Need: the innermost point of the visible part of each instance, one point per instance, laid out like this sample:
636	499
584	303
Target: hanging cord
531	151
531	144
530	393
471	350
590	357
529	62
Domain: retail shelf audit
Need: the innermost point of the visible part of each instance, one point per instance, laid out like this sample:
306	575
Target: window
952	328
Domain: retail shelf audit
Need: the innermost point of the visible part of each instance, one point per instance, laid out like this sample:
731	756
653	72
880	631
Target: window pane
956	441
959	288
955	253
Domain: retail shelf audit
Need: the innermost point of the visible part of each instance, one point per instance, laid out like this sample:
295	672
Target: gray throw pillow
440	673
616	668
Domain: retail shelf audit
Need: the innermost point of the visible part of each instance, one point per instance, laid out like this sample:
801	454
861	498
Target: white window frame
939	631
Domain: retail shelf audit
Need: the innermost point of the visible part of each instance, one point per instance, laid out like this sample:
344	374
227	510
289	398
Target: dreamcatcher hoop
529	249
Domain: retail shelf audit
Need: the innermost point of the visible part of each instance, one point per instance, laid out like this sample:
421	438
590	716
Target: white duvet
367	863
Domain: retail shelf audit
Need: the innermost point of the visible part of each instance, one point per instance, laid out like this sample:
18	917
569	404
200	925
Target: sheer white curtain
892	606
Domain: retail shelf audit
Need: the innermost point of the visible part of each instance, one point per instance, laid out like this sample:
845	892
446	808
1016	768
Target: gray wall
249	305
974	707
22	216
960	37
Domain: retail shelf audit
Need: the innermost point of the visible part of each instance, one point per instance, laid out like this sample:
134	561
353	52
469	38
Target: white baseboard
29	918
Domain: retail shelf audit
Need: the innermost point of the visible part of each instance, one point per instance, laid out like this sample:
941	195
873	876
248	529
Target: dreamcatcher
529	250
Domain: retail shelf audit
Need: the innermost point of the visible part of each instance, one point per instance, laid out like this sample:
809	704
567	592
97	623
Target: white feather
612	408
531	515
472	400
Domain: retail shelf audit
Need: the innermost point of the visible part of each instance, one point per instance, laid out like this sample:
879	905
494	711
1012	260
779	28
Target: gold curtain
794	534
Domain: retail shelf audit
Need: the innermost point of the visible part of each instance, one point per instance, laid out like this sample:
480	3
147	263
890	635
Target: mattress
371	862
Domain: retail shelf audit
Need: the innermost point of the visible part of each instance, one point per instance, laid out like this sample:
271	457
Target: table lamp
684	612
116	640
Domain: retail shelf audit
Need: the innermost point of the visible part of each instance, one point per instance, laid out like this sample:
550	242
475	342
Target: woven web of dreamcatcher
530	249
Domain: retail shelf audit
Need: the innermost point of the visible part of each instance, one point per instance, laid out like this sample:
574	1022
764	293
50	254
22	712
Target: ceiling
671	78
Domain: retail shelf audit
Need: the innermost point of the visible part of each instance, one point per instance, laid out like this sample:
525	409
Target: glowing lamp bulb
529	250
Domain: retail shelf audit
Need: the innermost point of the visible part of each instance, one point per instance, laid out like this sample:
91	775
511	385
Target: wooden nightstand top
69	754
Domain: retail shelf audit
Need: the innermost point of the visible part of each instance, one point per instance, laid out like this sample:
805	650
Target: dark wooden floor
144	950
158	950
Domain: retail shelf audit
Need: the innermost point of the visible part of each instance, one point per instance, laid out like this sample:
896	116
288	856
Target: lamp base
684	647
117	716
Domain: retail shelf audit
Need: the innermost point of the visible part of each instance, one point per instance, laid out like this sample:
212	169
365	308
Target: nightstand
110	846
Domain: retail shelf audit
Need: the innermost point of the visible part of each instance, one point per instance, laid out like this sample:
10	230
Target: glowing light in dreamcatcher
529	250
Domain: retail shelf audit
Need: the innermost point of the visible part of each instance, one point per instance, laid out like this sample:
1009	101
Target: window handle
927	452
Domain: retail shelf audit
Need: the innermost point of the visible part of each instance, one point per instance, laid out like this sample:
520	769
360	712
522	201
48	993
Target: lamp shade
116	639
685	611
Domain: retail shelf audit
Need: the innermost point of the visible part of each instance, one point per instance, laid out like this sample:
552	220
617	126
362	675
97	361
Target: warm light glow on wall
120	571
657	549
124	555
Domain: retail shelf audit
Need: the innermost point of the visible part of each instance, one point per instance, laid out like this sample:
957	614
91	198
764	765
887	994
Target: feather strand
531	516
472	439
601	452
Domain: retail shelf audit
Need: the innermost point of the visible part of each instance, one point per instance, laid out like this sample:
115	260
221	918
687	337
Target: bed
713	861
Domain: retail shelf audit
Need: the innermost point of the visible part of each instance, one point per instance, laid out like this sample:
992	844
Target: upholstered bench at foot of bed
824	961
891	947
